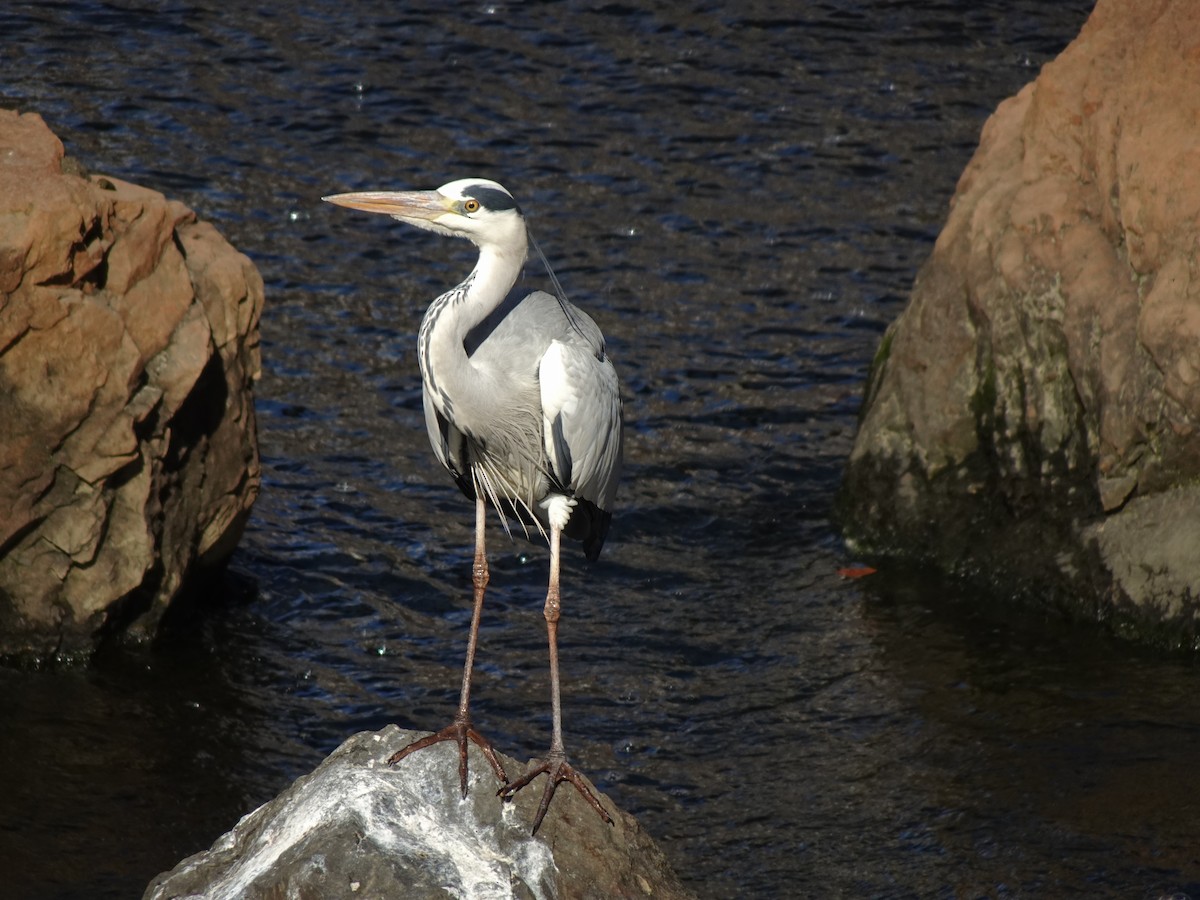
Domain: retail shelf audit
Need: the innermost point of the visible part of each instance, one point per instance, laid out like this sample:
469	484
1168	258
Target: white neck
489	283
443	359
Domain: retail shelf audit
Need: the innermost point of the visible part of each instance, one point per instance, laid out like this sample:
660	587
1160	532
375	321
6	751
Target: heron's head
474	208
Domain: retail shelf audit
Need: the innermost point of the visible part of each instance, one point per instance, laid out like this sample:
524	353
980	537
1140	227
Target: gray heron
523	409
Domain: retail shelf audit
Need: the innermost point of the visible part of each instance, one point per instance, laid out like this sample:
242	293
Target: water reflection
1035	734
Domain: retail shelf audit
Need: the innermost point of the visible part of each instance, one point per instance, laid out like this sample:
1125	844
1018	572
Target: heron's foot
557	770
459	731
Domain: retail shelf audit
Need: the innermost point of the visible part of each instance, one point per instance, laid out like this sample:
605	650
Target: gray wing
577	386
550	358
581	410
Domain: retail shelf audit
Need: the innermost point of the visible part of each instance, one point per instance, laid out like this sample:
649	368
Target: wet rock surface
128	348
1039	396
357	827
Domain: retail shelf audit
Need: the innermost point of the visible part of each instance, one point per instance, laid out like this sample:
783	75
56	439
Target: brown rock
1044	375
128	349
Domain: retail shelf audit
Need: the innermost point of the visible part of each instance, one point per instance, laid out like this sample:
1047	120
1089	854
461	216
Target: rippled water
741	199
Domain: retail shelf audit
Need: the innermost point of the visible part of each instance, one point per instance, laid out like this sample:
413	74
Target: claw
557	770
459	731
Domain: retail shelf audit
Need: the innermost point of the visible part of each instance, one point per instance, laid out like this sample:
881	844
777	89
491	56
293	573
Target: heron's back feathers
540	414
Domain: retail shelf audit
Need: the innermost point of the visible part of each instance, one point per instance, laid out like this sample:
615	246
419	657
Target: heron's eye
471	205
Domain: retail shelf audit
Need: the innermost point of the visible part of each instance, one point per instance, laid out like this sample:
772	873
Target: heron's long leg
460	730
551	611
554	765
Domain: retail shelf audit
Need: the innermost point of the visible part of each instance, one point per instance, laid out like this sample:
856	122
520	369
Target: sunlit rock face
356	827
1032	416
128	350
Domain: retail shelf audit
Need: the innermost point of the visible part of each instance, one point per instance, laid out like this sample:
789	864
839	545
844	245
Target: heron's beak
402	204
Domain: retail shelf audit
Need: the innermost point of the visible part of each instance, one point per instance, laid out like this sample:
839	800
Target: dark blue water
741	199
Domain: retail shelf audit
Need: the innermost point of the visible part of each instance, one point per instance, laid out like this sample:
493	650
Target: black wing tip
593	528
